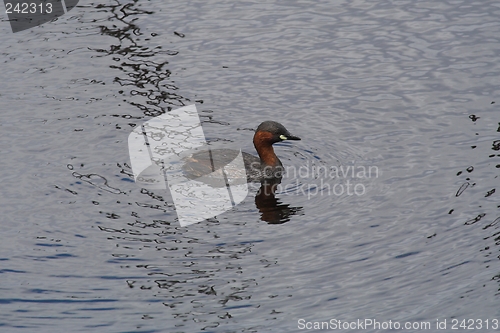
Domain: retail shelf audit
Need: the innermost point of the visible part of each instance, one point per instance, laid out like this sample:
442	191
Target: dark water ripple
406	87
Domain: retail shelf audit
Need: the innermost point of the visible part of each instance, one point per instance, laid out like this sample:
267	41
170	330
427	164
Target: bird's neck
267	156
263	144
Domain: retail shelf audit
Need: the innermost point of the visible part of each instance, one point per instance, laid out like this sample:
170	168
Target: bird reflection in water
272	210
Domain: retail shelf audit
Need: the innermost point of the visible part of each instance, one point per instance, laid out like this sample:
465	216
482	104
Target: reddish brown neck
264	146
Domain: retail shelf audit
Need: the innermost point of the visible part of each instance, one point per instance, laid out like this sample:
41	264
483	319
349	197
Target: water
404	87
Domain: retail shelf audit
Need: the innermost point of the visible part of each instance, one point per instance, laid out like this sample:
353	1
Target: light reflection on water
404	86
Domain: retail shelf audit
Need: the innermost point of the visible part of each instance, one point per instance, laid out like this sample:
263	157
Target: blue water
408	88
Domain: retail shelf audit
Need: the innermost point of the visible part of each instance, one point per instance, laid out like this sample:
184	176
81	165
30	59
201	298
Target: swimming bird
267	167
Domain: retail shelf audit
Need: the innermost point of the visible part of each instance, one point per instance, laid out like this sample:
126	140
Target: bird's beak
289	137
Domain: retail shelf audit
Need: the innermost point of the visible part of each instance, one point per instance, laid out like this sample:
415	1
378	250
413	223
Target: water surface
405	87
